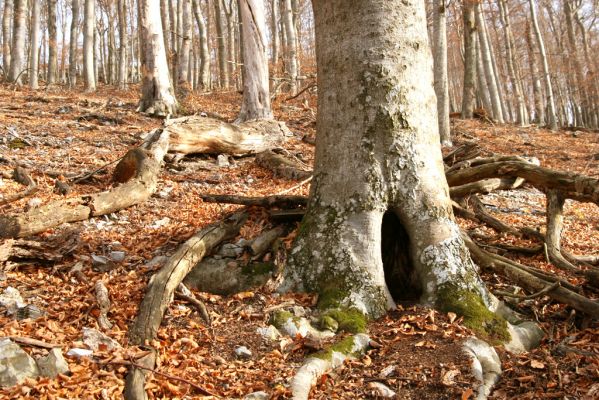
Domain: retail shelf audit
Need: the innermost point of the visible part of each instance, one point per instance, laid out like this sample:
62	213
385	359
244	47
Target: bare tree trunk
482	89
511	64
204	53
222	52
73	44
122	15
469	97
183	63
440	61
485	54
53	43
552	114
536	80
34	45
157	94
6	35
18	60
229	17
89	19
574	58
274	31
256	96
291	47
63	45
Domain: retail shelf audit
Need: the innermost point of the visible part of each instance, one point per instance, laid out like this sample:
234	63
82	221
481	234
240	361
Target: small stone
101	263
218	360
257	396
388	370
230	250
34	203
381	390
75	352
117	256
243	352
52	364
96	340
11	300
298	311
269	332
15	364
222	160
29	311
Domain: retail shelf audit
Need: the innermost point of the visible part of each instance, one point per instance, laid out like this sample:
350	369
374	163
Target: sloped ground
65	133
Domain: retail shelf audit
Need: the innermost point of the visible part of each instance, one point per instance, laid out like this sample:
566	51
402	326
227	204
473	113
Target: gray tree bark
551	109
204	76
469	89
186	30
157	96
256	96
89	22
485	54
6	35
34	46
274	31
52	43
291	45
441	76
73	43
378	168
222	52
18	60
122	15
536	79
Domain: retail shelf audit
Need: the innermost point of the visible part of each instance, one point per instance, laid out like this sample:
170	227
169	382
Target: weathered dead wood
224	276
524	279
485	186
473	162
161	290
161	287
292	215
190	135
555	224
268	201
137	190
264	241
571	185
104	304
27	341
20	175
464	152
282	166
198	304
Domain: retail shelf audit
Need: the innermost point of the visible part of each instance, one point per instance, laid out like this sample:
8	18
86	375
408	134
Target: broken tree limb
103	304
530	282
161	290
163	284
264	241
464	152
283	166
571	185
191	135
485	186
20	175
269	201
135	191
198	304
553	238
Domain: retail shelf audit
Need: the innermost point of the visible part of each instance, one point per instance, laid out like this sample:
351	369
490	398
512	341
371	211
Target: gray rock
15	364
29	311
11	299
381	390
96	340
269	332
75	352
222	160
117	256
52	364
230	250
242	352
257	396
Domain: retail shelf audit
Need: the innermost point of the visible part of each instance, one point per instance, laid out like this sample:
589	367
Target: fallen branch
540	293
104	305
27	341
81	208
282	166
269	201
199	305
20	175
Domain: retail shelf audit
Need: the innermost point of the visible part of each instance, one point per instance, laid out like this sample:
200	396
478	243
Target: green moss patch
344	346
487	325
331	298
279	318
348	320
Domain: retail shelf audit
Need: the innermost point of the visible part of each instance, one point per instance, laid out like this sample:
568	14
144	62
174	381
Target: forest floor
63	133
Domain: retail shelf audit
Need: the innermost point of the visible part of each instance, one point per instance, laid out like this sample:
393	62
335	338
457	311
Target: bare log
104	305
485	186
264	241
282	166
135	191
190	135
464	152
571	185
269	201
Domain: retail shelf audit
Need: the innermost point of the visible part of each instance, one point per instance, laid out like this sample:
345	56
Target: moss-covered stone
256	269
329	323
331	297
348	320
279	318
344	346
468	304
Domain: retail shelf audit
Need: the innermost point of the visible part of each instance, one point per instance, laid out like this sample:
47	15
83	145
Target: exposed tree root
283	166
284	202
161	290
135	191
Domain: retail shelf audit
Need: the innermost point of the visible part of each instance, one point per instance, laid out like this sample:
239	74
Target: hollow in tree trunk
156	93
379	226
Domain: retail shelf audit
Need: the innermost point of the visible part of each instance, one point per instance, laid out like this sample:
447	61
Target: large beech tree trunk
73	44
379	219
89	20
469	89
256	96
6	42
52	43
204	76
156	93
441	76
34	45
